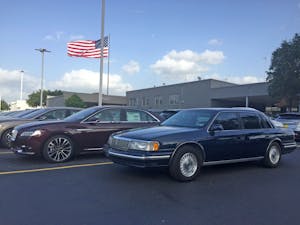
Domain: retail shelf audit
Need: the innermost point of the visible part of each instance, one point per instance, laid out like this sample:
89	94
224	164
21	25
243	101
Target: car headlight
144	145
297	127
109	142
36	133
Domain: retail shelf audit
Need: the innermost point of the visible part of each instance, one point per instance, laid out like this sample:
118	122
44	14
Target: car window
72	111
229	121
138	116
190	118
265	122
57	114
250	120
107	115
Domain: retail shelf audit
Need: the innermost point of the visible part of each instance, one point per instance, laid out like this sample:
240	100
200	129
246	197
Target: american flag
87	48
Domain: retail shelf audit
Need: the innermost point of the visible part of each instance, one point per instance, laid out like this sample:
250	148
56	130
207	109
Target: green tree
75	101
54	93
4	105
34	98
284	73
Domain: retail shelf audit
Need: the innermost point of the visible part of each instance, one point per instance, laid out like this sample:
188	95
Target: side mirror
217	127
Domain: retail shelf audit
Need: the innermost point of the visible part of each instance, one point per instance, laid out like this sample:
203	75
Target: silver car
292	121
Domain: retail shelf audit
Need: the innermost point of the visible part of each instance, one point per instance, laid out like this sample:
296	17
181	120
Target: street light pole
42	50
101	55
21	88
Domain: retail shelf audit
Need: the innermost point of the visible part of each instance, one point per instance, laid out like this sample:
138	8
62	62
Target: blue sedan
194	138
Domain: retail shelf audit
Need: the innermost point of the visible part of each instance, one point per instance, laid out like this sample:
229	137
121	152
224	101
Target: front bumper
23	150
138	158
297	135
289	147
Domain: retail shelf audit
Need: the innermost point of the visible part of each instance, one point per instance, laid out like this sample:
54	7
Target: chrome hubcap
188	164
274	155
8	137
59	149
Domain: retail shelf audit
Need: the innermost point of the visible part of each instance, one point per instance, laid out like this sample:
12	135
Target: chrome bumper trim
290	145
139	157
21	152
232	161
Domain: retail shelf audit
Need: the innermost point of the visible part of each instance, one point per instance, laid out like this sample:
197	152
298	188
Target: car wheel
58	149
5	139
273	155
185	164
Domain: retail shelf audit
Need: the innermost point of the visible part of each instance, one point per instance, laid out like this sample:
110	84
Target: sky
151	42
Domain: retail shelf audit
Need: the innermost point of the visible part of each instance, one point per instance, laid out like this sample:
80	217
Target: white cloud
132	67
247	79
212	57
87	81
10	82
54	37
186	65
215	42
76	37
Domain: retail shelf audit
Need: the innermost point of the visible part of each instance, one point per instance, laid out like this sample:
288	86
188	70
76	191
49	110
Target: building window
158	100
174	99
133	101
145	101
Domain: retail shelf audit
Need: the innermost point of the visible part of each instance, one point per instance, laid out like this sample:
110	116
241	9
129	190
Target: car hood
155	132
37	124
289	123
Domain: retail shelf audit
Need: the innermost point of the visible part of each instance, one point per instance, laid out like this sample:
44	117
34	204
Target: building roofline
197	81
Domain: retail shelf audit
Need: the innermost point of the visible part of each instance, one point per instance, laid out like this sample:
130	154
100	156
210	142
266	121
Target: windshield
26	112
190	118
79	116
34	114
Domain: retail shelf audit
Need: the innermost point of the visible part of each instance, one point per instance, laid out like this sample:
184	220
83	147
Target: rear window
190	118
250	120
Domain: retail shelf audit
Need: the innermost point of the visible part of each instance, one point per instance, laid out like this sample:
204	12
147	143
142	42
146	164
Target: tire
273	155
5	139
58	149
185	164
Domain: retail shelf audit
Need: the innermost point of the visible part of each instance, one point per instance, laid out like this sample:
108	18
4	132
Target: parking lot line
2	153
55	168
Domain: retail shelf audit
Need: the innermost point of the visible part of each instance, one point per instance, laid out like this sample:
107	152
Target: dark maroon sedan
87	130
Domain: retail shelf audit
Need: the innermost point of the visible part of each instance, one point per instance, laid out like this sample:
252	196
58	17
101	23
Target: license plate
285	125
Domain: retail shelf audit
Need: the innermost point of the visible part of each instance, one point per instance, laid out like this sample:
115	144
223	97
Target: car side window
250	120
71	112
228	120
106	115
264	122
58	114
138	116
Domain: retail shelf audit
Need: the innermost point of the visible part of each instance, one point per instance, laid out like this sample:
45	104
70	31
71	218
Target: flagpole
108	59
101	55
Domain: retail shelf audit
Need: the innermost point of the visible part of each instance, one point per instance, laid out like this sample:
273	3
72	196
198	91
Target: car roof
290	114
234	109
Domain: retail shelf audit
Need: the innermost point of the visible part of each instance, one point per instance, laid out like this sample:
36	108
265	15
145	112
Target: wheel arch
194	144
275	140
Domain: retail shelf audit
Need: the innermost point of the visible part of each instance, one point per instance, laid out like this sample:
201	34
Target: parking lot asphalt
91	190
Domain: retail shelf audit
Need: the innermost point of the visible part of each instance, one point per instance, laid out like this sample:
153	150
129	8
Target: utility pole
42	50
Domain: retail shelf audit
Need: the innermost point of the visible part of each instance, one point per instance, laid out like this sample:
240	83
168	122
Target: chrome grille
120	143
